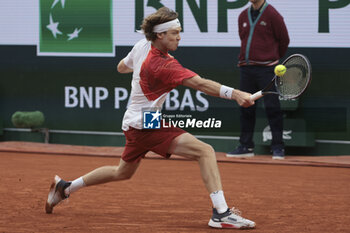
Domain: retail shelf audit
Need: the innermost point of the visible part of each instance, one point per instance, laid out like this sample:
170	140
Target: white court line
325	141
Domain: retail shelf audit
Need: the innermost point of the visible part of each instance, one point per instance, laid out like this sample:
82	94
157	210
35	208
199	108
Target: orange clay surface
169	196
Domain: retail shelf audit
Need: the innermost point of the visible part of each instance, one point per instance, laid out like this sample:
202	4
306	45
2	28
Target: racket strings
296	78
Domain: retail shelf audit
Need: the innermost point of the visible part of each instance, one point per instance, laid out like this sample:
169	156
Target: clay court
301	194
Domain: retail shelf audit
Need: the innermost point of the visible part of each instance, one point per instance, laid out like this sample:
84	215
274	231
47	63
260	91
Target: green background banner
29	83
80	26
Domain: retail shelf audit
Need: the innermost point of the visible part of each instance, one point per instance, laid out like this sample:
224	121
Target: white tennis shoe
56	193
230	219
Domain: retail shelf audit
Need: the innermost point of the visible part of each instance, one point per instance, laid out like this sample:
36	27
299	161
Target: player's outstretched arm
213	88
122	68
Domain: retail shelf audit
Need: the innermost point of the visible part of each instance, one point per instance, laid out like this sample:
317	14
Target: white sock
219	201
75	185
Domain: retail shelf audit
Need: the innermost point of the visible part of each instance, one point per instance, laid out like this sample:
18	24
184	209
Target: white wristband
226	92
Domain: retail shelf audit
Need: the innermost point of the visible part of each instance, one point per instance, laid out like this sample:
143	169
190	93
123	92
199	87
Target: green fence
87	94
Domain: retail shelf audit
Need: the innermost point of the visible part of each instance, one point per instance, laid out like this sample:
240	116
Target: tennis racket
293	83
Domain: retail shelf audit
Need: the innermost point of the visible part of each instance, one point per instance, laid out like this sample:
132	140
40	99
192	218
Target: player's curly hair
162	15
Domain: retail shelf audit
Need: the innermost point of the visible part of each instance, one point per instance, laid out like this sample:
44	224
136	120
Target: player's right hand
242	98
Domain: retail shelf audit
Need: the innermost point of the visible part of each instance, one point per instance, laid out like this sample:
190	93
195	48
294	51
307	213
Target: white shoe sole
49	206
228	225
277	158
247	155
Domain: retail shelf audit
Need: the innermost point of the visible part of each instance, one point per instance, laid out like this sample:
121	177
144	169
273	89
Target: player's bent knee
211	150
125	174
207	151
118	174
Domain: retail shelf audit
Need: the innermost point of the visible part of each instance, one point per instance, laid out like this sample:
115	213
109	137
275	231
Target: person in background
264	41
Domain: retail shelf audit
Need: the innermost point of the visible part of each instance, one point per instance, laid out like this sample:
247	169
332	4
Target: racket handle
256	95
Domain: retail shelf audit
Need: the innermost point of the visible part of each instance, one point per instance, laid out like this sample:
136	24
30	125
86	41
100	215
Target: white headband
163	27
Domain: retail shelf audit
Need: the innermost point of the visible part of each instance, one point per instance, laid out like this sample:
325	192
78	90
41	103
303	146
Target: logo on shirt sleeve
151	119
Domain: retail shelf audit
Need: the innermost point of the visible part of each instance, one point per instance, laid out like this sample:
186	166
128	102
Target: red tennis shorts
140	141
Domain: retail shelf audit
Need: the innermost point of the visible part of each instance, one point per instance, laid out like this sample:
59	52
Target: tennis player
155	74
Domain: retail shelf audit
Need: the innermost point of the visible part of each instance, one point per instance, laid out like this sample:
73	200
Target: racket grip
256	95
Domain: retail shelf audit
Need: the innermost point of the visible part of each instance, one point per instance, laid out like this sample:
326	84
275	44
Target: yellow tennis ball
280	70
